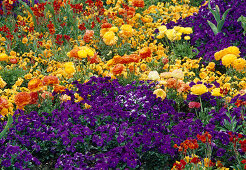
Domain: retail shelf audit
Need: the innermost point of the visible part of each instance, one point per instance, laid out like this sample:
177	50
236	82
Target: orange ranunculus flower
106	25
74	53
35	84
131	12
50	80
59	88
22	99
3	103
138	3
93	59
145	53
118	68
47	94
88	35
172	83
129	59
34	98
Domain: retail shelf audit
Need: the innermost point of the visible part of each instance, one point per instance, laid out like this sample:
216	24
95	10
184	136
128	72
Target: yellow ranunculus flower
199	89
82	53
171	34
160	93
216	92
228	59
109	38
3	57
239	64
114	29
69	68
126	31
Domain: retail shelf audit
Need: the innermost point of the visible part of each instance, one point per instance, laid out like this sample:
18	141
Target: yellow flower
239	64
126	31
199	89
2	83
109	38
187	37
69	68
24	40
216	92
211	66
233	50
202	75
28	76
171	34
187	30
114	29
143	67
82	53
162	30
160	93
19	81
228	59
153	75
178	74
3	57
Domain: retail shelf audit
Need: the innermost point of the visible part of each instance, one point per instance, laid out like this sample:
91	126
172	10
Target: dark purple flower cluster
203	37
121	125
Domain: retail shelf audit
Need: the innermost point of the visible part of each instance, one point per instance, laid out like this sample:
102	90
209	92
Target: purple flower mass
203	37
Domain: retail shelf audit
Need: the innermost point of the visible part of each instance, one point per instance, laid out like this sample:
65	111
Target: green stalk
10	121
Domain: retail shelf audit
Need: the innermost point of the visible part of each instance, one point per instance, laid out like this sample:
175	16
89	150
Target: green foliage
10	76
184	49
242	19
216	14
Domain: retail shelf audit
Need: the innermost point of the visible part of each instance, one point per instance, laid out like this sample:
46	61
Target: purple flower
220	152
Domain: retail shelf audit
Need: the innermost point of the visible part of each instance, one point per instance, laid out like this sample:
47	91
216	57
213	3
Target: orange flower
145	53
93	59
50	80
35	84
22	99
47	94
34	98
3	103
59	88
172	83
129	59
106	25
131	12
184	88
118	68
74	52
138	3
88	35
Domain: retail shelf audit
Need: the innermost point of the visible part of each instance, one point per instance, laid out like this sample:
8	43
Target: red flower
195	160
34	98
194	105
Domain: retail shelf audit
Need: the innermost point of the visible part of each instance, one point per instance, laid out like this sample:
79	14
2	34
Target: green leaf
10	121
220	25
225	14
213	27
217	14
